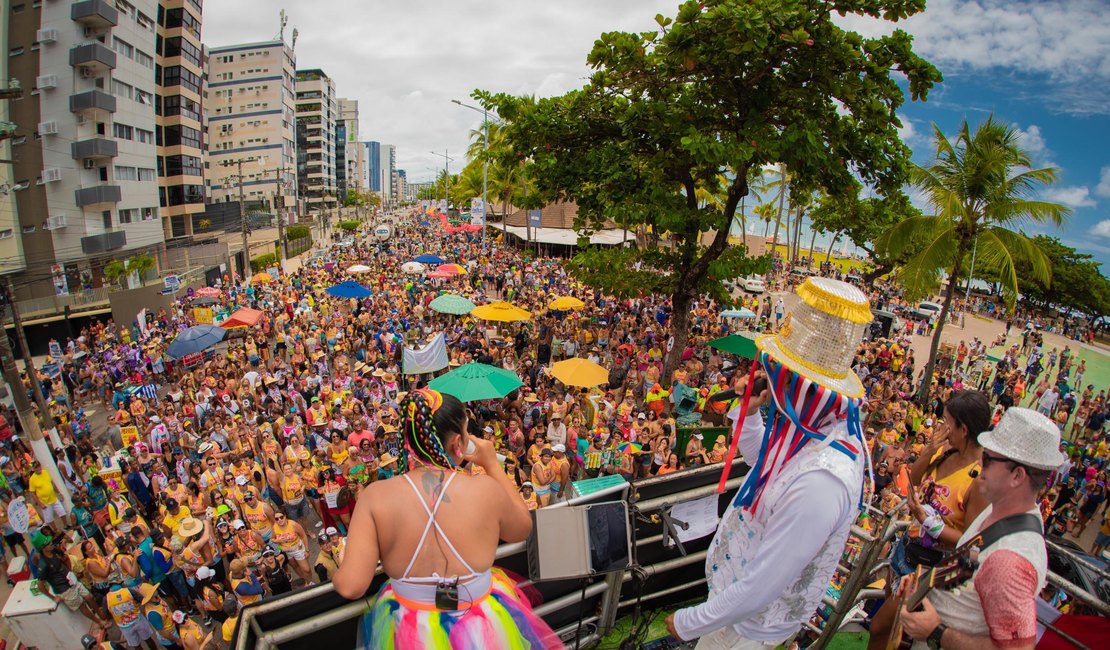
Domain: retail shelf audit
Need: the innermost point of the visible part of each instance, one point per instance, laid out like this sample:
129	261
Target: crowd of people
223	478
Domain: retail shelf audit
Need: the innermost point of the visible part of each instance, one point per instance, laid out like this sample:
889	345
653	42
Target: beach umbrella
413	268
453	269
450	303
477	381
580	372
630	447
262	278
349	289
195	339
742	346
500	311
208	292
743	312
563	303
437	275
204	301
430	259
359	268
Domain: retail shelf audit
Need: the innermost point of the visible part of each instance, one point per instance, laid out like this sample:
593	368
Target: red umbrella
440	275
211	292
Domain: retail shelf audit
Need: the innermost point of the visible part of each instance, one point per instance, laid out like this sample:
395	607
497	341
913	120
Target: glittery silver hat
1027	437
819	337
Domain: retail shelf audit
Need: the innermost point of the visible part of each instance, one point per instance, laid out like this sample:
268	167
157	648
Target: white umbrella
359	268
414	268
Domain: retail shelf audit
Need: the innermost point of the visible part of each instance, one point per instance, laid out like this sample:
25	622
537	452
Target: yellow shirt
173	522
43	487
228	628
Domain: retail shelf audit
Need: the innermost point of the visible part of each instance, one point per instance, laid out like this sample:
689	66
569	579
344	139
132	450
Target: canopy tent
244	317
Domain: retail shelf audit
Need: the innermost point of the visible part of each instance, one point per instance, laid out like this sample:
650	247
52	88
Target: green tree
863	221
1077	282
981	185
725	87
115	271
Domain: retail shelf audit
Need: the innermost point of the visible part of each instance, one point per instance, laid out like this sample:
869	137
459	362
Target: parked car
753	284
1077	572
927	310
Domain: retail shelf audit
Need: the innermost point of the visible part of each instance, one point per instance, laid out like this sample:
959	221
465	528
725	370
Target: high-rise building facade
86	162
178	109
250	115
402	183
372	170
11	244
348	175
316	116
387	166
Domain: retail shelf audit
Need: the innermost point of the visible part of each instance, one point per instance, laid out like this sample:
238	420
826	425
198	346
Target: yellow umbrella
580	372
262	278
500	311
564	303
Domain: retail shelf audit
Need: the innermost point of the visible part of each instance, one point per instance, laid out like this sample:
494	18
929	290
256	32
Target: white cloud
908	132
1103	187
1031	140
1075	197
1102	228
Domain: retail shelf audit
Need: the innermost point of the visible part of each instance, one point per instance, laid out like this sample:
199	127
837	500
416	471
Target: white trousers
727	639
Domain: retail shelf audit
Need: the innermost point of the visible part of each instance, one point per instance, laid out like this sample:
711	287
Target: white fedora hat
819	337
1026	437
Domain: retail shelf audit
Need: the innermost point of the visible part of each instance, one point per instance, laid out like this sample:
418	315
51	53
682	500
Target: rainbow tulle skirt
502	619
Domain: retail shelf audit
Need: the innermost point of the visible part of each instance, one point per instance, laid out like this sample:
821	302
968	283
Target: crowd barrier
317	617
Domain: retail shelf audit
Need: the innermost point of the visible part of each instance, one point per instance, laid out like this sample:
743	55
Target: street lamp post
447	159
485	162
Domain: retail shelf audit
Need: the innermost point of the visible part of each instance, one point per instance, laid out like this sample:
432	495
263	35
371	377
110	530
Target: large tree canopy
724	88
863	221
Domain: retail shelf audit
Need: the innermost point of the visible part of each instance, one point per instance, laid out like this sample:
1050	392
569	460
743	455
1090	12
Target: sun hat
819	336
147	590
223	509
1027	437
190	526
386	459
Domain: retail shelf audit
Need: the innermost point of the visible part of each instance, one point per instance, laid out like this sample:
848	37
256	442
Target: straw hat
388	378
386	459
1027	437
818	338
189	527
147	590
531	397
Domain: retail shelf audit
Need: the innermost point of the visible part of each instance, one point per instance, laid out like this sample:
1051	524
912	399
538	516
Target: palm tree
982	186
783	185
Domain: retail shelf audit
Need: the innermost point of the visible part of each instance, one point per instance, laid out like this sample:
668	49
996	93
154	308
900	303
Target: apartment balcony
94	13
105	242
95	56
92	100
97	195
95	148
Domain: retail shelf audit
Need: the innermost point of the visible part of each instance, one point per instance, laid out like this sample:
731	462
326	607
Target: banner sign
429	358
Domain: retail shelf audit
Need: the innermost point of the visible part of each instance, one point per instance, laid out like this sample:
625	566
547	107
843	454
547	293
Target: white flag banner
429	358
143	327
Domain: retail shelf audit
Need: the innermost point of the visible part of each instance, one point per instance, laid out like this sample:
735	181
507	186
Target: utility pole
279	208
28	361
23	407
243	226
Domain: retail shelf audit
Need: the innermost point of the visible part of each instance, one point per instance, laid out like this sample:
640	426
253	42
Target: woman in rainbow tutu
436	531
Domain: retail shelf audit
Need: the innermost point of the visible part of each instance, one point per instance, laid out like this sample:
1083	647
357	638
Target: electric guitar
955	569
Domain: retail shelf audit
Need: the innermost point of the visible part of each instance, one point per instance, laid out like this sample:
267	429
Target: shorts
14	540
139	631
296	553
298	510
543	490
1102	539
53	511
75	596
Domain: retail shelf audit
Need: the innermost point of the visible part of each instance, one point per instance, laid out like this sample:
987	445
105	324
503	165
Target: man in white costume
780	539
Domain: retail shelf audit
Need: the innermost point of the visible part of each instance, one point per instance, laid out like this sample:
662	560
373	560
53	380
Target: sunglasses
988	459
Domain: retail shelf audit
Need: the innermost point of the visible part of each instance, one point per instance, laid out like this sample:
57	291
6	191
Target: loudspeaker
579	541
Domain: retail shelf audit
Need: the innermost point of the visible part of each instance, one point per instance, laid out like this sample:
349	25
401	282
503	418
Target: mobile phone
759	386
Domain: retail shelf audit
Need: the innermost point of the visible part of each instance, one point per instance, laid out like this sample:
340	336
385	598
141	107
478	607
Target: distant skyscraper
348	174
372	160
388	168
316	117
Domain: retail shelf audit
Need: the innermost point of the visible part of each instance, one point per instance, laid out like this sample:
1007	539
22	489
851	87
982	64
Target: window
147	174
183	165
146	137
143	97
15	51
144	59
181	135
123	47
120	89
177	46
144	21
175	75
123	132
148	214
106	216
178	105
181	18
126	174
181	195
127	215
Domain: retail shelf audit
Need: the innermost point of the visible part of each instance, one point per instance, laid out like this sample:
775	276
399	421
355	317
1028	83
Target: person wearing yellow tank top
159	615
244	583
123	605
292	539
259	515
190	633
293	494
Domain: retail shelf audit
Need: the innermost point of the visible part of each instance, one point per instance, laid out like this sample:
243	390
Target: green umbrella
737	344
450	303
477	381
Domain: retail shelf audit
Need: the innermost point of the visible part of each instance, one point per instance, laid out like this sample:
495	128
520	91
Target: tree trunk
832	244
927	378
778	217
812	241
680	330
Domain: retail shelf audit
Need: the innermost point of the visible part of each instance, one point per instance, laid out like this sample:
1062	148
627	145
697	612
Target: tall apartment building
178	112
11	244
371	166
250	111
317	111
86	156
348	174
402	186
387	167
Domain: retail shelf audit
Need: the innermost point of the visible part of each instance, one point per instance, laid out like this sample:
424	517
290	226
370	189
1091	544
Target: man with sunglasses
998	608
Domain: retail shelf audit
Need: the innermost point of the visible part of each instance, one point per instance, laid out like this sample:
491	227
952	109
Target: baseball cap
559	448
237	524
331	531
205	573
241	480
527	484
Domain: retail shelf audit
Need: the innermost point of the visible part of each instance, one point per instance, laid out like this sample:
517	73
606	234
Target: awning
242	318
568	237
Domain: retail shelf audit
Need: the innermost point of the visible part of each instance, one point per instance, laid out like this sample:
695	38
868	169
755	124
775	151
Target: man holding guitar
1019	455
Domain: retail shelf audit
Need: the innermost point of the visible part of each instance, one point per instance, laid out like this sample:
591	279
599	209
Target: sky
1042	66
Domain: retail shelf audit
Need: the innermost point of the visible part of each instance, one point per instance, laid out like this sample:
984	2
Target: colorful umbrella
262	278
195	339
500	311
630	448
349	289
743	312
564	303
208	292
477	381
438	275
204	301
430	259
450	303
742	346
359	268
413	268
580	372
453	269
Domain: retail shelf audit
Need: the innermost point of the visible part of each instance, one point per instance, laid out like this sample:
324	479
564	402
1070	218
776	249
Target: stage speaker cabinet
579	541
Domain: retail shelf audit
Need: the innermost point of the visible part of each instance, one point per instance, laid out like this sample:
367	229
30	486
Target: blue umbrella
743	312
195	339
349	289
430	259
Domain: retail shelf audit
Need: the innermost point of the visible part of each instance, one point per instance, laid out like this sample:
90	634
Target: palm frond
1003	249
